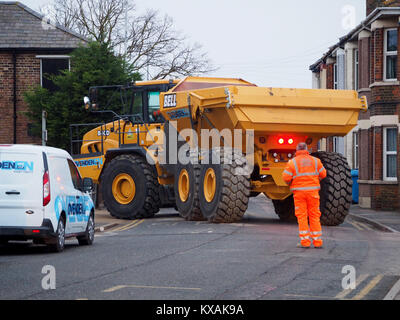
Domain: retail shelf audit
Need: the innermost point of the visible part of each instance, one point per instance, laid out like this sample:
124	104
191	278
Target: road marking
306	296
393	292
372	284
113	289
345	292
82	299
128	226
356	225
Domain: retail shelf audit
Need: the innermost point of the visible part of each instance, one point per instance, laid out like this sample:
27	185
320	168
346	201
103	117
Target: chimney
372	4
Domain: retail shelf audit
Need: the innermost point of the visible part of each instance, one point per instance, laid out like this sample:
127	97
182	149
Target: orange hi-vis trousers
307	210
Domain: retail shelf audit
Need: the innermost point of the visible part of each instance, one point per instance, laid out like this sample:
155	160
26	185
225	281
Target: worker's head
301	146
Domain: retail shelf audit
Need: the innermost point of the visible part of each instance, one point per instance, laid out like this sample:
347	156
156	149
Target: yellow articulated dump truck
206	145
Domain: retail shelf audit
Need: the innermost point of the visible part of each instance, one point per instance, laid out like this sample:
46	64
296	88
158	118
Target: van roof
35	149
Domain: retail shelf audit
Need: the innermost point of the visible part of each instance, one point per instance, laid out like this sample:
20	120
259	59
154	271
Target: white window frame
387	54
356	68
356	150
335	76
387	153
52	57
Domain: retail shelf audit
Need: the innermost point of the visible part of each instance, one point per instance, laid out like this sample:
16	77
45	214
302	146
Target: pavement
387	221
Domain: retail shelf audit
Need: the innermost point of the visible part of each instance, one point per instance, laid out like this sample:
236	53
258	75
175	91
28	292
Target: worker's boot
299	245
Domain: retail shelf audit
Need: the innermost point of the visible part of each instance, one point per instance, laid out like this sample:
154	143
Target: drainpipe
15	95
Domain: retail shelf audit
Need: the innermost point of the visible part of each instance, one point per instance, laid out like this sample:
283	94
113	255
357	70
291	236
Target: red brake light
290	141
281	141
46	189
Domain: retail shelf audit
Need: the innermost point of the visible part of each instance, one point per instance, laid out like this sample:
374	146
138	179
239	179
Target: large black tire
146	201
336	188
186	187
232	187
285	209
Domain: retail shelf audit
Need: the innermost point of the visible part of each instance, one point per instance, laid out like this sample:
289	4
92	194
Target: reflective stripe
295	167
316	166
306	174
316	233
315	173
322	169
289	173
317	238
305	238
303	232
306	188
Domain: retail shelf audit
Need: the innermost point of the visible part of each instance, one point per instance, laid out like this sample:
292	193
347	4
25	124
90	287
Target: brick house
30	48
366	60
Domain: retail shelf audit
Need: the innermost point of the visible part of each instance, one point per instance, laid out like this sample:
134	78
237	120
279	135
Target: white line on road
393	292
113	289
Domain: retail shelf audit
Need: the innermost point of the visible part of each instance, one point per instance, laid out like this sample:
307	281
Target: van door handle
13	192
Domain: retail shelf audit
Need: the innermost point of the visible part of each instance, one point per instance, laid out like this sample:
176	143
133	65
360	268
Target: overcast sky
270	43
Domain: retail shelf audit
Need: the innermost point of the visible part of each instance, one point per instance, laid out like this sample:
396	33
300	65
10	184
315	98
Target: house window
338	145
390	55
355	151
390	153
356	69
52	65
335	76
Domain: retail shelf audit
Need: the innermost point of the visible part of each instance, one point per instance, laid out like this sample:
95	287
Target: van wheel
130	188
59	243
88	238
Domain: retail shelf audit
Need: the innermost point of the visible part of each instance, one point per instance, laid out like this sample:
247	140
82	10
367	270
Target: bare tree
149	42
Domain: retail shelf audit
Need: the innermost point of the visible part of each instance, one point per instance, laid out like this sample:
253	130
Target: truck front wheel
130	188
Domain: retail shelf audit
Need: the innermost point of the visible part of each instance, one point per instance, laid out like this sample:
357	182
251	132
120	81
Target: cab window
154	107
137	104
76	178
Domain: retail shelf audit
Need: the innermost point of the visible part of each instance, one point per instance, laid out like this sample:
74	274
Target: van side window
59	167
76	178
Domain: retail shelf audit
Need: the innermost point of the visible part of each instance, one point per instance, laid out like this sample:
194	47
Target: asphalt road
169	258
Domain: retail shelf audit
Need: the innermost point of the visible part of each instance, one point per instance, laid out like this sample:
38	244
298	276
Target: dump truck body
262	125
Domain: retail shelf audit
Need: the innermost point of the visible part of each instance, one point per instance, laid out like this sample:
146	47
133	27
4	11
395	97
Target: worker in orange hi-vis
303	173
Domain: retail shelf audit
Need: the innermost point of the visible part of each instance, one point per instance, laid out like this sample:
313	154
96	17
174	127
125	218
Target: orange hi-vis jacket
304	172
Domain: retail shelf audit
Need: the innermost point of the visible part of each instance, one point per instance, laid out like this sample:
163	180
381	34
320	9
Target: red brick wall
385	197
378	55
364	65
28	75
329	76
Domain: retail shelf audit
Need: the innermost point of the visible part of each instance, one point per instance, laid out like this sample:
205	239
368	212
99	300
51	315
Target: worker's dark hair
301	146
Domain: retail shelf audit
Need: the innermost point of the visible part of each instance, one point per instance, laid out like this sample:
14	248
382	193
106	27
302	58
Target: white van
42	197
